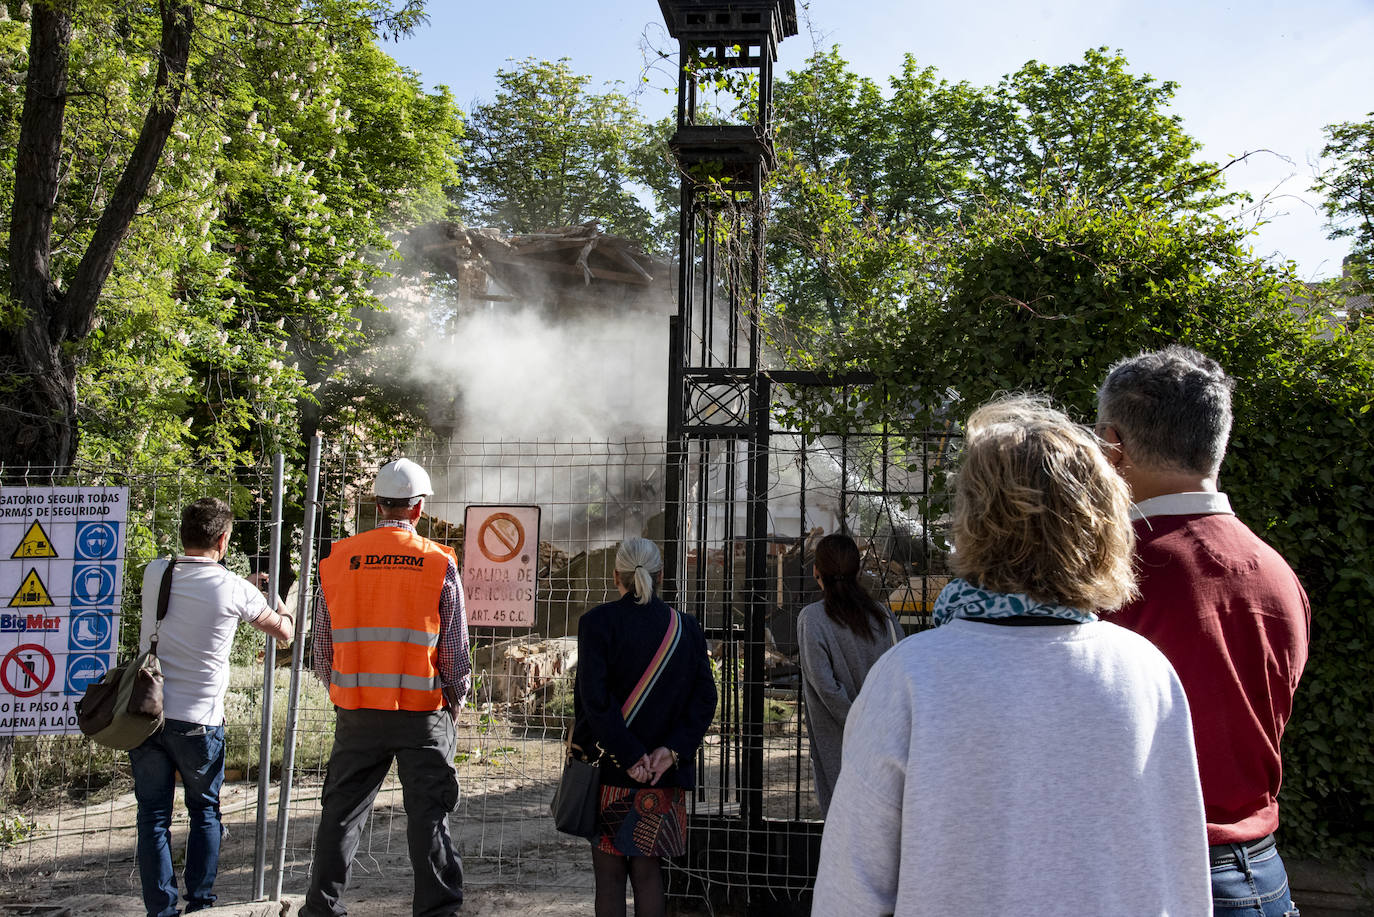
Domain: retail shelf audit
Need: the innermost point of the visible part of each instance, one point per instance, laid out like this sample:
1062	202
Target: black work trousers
365	743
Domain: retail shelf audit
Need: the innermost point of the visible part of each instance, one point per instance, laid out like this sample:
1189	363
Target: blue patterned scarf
962	599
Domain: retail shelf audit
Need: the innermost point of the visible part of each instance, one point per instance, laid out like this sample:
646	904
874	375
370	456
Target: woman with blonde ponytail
643	697
637	566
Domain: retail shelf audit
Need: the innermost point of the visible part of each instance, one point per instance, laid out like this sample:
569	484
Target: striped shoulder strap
671	638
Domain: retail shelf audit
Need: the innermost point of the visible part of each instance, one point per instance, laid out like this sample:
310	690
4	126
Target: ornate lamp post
718	410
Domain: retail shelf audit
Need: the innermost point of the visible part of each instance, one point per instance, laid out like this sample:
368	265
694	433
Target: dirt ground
82	856
480	902
540	873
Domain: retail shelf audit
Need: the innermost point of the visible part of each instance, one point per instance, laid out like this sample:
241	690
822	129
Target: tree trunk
38	423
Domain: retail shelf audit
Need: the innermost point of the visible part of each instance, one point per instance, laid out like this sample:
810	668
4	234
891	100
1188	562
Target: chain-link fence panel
591	496
68	815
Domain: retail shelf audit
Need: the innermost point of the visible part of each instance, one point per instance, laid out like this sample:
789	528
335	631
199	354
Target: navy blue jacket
615	643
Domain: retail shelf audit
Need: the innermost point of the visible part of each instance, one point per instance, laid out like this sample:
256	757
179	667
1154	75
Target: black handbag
125	707
575	802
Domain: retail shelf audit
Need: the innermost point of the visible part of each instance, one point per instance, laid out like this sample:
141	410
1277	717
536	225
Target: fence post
269	664
303	594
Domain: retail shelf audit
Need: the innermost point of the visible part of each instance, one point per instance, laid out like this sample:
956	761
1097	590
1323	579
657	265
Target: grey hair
638	562
1171	408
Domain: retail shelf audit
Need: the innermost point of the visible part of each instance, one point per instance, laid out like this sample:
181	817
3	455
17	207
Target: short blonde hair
1038	510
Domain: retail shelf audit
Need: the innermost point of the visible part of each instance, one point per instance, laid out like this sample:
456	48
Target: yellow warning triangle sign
35	543
32	593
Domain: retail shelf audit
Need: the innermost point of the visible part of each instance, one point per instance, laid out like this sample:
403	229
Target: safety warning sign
35	543
26	670
31	592
500	565
61	587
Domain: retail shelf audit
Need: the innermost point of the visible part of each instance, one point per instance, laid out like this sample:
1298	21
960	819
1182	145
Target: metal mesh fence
67	821
72	805
510	752
756	826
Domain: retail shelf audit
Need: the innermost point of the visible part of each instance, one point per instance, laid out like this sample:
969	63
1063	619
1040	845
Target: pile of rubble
567	267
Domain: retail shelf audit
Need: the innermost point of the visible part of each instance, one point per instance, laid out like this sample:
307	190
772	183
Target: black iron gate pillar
718	397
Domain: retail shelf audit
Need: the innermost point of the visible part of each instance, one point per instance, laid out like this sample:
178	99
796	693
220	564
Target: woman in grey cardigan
840	637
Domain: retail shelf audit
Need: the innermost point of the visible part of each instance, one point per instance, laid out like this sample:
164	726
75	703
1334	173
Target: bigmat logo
18	623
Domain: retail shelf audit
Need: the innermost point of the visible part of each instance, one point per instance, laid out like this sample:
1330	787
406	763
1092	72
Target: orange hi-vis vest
382	588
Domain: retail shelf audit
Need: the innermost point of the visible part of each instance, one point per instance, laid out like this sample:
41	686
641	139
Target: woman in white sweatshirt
1024	756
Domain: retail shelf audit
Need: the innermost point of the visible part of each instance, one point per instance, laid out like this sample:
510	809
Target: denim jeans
1255	886
197	753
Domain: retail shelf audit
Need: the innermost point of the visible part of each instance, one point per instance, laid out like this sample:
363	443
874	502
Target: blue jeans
197	753
1255	886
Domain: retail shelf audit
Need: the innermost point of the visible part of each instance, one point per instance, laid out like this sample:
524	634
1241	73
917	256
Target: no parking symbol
500	537
501	565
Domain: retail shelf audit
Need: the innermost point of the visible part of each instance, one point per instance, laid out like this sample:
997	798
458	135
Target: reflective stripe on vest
374	680
382	588
384	634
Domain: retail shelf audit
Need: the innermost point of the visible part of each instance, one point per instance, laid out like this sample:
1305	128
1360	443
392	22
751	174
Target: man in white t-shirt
207	604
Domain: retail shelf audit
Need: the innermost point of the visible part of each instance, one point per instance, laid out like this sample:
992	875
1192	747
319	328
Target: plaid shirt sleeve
455	664
321	640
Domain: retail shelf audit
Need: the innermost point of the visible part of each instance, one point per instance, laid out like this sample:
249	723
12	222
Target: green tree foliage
959	242
1348	184
1045	299
237	288
927	153
547	152
339	149
1093	131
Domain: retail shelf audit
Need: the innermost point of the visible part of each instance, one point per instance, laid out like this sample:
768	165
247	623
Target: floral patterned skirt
646	822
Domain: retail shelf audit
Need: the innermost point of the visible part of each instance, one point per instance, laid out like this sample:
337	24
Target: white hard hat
401	480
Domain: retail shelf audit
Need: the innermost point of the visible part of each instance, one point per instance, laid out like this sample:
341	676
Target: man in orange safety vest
391	641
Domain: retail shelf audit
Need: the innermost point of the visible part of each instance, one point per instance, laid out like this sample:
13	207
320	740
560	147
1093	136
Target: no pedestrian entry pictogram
27	670
500	537
35	543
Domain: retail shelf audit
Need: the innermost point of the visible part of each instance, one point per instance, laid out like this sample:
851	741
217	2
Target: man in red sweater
1222	605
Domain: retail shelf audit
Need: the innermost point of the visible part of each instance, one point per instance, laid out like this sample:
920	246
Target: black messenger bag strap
164	595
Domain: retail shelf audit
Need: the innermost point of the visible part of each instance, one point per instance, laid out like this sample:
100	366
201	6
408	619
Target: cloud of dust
513	388
516	374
